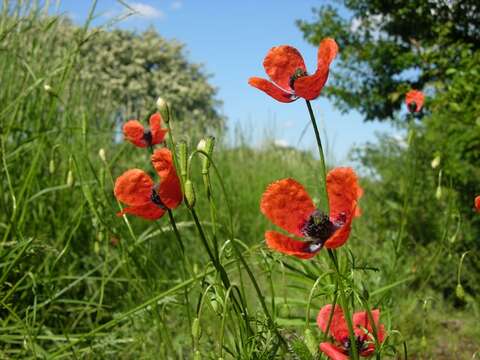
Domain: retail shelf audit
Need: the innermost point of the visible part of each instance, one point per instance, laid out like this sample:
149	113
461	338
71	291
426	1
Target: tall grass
79	282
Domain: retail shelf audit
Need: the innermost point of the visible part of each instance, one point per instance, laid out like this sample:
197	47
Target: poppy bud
196	355
96	247
196	330
435	162
189	194
310	341
70	179
209	145
438	193
423	342
164	109
102	155
51	166
459	292
183	156
47	88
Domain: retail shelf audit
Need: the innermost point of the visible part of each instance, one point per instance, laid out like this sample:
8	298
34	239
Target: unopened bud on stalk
189	194
164	109
102	154
47	88
183	158
196	355
70	179
96	247
438	193
310	341
209	145
423	342
435	162
51	166
459	292
196	330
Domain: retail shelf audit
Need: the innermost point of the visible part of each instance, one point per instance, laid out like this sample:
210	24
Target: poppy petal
133	132
338	326
361	321
158	133
281	63
287	204
133	187
343	194
170	190
310	87
288	246
147	211
477	204
271	89
333	352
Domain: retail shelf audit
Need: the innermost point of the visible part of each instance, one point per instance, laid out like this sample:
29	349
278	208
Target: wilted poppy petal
287	245
477	204
417	97
170	190
148	211
338	326
281	63
333	352
133	132
271	89
310	87
158	133
133	187
287	204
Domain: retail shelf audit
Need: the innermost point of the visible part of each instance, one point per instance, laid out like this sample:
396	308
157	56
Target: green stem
323	168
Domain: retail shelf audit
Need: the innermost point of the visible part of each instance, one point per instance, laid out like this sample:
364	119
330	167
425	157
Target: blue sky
231	38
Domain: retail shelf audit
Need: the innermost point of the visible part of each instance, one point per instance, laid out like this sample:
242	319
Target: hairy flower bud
196	330
189	194
70	179
102	155
460	292
209	145
310	341
164	109
435	162
51	166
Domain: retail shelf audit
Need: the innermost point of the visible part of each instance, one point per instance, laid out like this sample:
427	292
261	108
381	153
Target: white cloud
145	10
176	5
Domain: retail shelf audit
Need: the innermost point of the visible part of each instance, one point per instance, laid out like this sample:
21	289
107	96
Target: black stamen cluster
297	74
318	227
156	199
147	136
359	343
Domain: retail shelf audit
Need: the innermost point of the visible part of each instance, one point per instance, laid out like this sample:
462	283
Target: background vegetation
79	282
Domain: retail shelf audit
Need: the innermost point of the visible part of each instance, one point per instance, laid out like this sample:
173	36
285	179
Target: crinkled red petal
415	96
271	89
133	187
158	133
310	87
133	132
148	211
287	204
281	63
338	326
361	322
343	194
287	245
477	204
333	352
170	190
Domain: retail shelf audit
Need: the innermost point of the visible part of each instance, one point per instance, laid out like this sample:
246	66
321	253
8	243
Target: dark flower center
156	200
297	74
147	136
318	228
360	344
412	106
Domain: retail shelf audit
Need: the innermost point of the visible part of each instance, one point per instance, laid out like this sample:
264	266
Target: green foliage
386	48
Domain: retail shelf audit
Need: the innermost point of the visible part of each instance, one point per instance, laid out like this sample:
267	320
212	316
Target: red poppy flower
287	204
365	342
286	68
141	137
477	204
145	198
414	100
